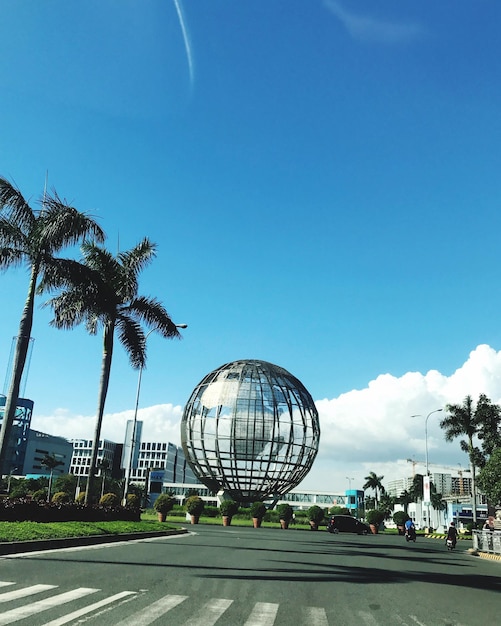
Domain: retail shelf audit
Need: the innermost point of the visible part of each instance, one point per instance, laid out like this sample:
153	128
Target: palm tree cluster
480	423
100	291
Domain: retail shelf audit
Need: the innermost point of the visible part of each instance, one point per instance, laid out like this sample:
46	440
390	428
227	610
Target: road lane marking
209	613
23	593
368	618
263	614
89	609
42	605
316	615
153	612
5	584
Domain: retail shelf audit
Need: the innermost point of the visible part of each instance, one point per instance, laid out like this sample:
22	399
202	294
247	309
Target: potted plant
315	515
258	511
285	514
400	517
194	506
374	518
228	508
162	505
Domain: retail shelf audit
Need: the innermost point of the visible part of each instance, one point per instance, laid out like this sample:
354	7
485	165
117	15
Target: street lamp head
181	325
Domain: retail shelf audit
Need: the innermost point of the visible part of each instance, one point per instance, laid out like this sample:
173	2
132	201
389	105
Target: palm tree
373	481
50	462
111	300
33	238
405	499
463	420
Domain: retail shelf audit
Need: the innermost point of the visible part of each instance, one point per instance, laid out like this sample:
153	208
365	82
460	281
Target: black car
347	524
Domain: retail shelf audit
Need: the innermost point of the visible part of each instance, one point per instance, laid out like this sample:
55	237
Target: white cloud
372	30
362	430
160	423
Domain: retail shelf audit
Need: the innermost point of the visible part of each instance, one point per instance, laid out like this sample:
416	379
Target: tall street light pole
128	469
426	461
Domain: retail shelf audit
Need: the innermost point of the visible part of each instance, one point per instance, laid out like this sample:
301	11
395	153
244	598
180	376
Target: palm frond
139	257
15	206
153	313
132	338
63	225
11	257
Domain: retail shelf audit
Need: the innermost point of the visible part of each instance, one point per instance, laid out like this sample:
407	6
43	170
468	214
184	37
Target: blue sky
321	178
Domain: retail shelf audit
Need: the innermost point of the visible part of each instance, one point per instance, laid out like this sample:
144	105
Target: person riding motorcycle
410	530
452	534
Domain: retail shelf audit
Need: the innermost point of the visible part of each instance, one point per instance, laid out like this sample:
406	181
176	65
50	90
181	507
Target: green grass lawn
26	531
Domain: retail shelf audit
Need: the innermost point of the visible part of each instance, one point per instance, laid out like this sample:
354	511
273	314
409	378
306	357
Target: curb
485	555
434	536
70	542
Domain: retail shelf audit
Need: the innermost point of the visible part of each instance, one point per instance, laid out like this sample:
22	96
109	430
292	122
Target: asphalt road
233	576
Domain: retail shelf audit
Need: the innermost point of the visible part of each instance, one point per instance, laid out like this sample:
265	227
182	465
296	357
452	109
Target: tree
464	420
416	491
373	481
108	297
405	499
489	427
34	238
489	478
103	465
50	462
386	504
437	500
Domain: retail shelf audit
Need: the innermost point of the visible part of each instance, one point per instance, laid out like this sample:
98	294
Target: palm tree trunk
21	352
473	485
103	390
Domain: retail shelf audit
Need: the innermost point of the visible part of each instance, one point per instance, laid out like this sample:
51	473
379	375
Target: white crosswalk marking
23	593
90	608
263	614
152	612
209	613
316	616
5	584
368	618
42	605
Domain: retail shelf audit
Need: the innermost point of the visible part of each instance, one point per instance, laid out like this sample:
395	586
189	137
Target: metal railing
487	541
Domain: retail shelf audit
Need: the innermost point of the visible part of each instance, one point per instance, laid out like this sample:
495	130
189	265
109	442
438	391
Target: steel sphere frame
250	428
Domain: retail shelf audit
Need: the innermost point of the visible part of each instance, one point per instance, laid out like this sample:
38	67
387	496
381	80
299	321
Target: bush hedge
29	510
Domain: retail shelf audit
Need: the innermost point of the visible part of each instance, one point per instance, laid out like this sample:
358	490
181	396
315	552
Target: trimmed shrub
133	501
195	505
40	494
228	508
315	514
164	503
109	500
258	509
61	497
285	511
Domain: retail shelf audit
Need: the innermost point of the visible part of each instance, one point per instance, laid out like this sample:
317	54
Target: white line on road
89	609
23	593
153	612
42	605
316	616
5	584
263	614
209	613
368	618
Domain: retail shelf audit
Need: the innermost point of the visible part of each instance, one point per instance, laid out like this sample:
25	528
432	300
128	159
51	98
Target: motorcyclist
410	529
452	534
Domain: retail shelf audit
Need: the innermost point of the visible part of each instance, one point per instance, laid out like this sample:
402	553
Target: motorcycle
410	534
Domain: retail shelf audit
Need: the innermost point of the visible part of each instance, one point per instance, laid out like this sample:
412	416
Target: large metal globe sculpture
251	429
